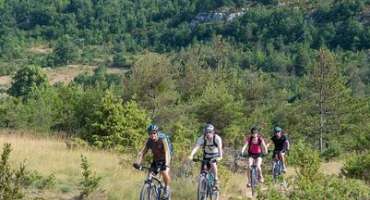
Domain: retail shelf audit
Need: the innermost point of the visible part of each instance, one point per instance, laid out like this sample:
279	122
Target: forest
300	65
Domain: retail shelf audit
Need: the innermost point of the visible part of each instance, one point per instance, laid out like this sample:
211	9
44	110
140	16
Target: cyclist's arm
195	149
141	154
220	149
264	146
287	144
167	152
244	148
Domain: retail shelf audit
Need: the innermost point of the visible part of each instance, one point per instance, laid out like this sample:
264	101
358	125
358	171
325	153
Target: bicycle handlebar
140	167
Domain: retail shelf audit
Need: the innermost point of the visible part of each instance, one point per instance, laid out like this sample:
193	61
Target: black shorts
255	155
206	163
277	152
158	166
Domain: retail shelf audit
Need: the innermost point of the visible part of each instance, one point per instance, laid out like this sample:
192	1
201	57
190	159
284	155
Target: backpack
214	142
166	137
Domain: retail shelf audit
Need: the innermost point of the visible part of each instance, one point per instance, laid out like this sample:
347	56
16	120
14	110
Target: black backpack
205	141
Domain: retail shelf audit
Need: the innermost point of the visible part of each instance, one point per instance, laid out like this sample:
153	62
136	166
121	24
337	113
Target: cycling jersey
279	142
158	149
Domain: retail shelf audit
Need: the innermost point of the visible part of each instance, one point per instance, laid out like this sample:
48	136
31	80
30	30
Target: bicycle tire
215	195
202	188
254	180
148	192
276	169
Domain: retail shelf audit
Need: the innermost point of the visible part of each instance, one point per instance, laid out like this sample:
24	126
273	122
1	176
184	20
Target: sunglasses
153	132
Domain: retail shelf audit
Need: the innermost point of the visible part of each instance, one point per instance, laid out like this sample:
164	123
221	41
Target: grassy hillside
119	180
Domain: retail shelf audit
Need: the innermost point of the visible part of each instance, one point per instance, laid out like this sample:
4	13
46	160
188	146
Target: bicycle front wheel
149	192
202	188
254	180
215	195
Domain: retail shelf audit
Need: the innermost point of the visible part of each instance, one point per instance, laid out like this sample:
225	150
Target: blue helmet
277	129
151	128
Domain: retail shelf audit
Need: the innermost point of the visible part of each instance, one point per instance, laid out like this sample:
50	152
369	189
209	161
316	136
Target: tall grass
119	179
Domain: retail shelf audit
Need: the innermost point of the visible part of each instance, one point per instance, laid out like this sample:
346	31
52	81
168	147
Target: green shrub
326	187
90	181
334	150
10	179
357	166
65	52
36	180
26	80
306	159
116	125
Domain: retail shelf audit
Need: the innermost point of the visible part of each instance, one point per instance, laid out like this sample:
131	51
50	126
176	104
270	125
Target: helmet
255	128
151	128
209	128
277	129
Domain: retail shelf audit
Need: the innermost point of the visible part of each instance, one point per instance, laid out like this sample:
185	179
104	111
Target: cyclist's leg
165	172
283	161
259	169
166	176
214	169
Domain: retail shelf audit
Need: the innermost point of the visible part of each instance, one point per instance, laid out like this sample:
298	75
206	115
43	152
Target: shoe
166	193
248	185
284	170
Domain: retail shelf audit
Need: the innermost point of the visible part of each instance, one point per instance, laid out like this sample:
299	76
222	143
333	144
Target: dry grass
64	74
67	74
50	155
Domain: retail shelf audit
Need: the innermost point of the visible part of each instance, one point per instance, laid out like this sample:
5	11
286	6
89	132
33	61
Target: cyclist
161	155
281	143
212	151
256	147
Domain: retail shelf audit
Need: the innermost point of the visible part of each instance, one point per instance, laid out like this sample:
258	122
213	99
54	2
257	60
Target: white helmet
209	128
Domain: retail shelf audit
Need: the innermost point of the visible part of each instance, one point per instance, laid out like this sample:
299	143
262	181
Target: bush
26	80
89	182
306	159
329	188
334	150
65	52
116	125
10	179
36	180
357	166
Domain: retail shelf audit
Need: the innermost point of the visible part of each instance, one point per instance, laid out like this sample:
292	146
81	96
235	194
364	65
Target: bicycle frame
210	181
152	181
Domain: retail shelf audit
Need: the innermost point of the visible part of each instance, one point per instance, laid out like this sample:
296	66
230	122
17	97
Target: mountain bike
153	189
254	178
277	170
206	184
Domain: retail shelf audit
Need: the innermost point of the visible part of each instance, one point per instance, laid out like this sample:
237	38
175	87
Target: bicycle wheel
202	188
276	169
254	180
148	192
215	195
